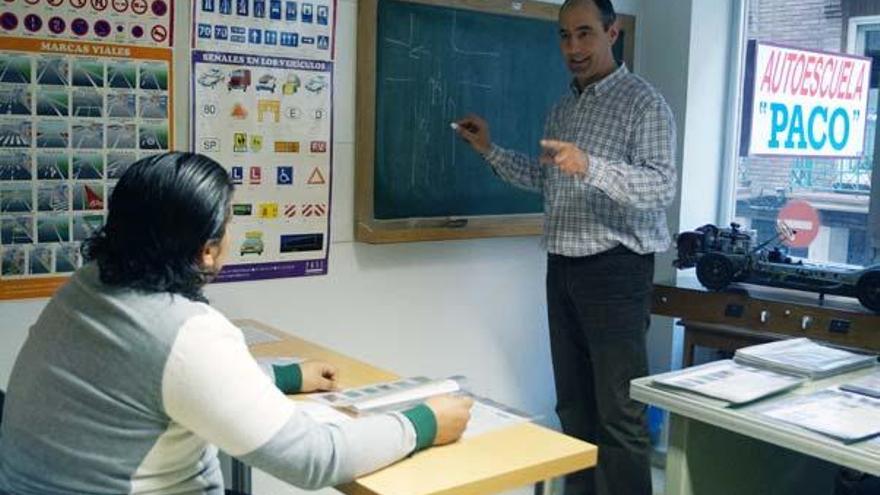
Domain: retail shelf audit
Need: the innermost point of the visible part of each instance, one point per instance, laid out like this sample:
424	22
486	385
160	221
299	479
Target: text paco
804	103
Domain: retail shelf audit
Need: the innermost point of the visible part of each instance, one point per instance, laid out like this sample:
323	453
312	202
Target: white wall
686	54
15	318
665	63
707	98
456	307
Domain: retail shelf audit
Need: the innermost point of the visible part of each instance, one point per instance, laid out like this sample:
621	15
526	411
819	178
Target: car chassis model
727	255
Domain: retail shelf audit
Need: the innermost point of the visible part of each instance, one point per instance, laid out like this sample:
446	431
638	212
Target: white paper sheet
729	381
254	336
846	416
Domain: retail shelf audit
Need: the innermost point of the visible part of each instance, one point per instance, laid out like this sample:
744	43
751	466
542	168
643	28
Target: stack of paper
867	385
802	357
729	381
835	413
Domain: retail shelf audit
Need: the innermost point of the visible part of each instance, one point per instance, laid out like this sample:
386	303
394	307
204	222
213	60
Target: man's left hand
568	157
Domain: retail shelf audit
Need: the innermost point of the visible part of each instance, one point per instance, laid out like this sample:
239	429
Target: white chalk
454	126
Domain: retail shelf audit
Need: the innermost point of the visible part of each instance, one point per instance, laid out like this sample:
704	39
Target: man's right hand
452	414
475	131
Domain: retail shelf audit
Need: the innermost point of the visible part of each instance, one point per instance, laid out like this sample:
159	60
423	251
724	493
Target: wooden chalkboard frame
367	227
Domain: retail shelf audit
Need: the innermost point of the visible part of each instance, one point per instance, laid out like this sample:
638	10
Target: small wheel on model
868	290
715	271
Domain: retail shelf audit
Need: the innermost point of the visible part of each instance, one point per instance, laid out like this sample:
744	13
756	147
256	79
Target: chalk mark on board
462	51
414	52
433	102
476	85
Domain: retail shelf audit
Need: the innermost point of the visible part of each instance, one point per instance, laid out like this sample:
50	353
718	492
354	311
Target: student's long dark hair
163	211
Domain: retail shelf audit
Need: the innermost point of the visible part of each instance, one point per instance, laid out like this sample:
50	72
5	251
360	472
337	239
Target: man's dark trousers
599	310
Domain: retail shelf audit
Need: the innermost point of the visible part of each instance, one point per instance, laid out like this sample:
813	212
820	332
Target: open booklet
833	412
387	396
729	381
486	415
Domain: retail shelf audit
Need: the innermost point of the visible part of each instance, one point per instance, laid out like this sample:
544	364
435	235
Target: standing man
607	175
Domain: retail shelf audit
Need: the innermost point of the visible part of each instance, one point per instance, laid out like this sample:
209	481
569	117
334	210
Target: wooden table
511	457
731	451
745	314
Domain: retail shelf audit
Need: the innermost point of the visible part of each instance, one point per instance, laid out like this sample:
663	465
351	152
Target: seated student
129	379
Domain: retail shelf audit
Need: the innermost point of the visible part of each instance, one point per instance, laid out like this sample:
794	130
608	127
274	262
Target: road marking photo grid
69	128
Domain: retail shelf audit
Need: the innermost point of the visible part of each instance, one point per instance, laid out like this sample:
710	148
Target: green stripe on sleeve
288	378
425	424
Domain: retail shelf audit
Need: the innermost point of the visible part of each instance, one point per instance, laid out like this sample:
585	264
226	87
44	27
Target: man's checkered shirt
626	128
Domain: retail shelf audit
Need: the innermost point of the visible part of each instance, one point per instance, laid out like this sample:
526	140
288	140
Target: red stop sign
803	219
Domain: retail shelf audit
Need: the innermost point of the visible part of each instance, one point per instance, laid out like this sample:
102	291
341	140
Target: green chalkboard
434	64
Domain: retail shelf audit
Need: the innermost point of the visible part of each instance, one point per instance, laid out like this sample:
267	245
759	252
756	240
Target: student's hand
452	413
317	376
568	157
475	131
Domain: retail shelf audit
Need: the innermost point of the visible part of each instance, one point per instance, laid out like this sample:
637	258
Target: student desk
723	451
500	460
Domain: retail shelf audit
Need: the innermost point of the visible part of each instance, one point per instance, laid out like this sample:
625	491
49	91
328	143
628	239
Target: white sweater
117	391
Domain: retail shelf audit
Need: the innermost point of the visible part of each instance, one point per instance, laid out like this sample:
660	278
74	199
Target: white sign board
804	103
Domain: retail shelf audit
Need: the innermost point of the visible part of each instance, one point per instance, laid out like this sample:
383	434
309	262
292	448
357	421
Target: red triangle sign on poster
316	177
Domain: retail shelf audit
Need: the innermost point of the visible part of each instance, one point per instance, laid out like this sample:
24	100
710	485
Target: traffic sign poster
268	119
73	117
127	22
286	28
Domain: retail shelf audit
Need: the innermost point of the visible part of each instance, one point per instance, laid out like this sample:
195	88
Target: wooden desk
732	451
500	460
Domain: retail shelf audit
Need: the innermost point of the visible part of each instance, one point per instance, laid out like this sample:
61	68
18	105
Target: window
839	190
